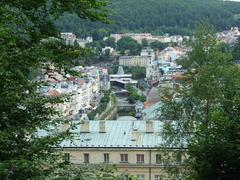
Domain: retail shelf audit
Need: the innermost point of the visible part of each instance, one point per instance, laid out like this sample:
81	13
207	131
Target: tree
159	17
203	113
110	42
26	28
128	44
137	72
236	51
99	34
134	96
144	43
89	172
157	45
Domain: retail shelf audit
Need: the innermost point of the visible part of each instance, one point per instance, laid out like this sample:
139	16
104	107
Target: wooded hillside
158	16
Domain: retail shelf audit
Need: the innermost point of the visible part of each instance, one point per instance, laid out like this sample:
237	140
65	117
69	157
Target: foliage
111	42
236	51
158	17
129	46
137	72
106	97
87	172
25	46
156	45
102	106
97	55
99	34
144	43
134	95
133	113
204	111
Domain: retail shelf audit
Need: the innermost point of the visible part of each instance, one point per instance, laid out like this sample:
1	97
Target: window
158	159
178	158
141	177
124	158
86	158
157	177
66	157
140	158
106	157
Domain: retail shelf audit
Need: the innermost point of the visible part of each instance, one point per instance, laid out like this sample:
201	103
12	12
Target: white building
231	36
148	52
82	42
141	61
71	39
84	92
68	37
172	53
149	37
80	92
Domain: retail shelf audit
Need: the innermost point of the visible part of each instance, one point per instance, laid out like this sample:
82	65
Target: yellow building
136	147
141	61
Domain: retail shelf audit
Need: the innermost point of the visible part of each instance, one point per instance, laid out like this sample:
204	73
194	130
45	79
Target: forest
156	16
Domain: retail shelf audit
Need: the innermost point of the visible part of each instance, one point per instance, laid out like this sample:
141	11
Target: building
230	36
135	147
84	91
136	36
150	38
68	37
148	52
81	92
121	79
82	42
104	80
71	39
132	61
172	53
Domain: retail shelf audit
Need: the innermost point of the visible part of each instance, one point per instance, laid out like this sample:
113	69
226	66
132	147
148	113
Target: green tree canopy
236	51
110	42
204	111
128	44
157	45
25	45
160	16
144	43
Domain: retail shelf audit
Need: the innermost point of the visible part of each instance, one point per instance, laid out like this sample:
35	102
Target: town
118	115
120	90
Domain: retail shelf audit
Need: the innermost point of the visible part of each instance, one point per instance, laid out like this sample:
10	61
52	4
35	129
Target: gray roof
119	134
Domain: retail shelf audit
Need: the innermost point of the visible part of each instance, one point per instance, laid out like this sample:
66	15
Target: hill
158	17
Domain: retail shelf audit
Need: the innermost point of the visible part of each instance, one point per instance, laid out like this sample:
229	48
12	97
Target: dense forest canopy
158	17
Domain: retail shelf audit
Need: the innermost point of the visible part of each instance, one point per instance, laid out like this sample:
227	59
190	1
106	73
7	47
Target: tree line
156	16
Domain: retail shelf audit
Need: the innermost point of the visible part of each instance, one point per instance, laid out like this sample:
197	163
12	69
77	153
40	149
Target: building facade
135	147
131	61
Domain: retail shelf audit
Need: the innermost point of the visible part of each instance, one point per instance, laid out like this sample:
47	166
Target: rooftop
119	134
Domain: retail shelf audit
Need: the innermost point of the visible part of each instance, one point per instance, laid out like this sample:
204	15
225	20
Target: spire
120	70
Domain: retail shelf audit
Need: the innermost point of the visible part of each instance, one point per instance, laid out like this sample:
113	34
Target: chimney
134	131
149	126
134	135
102	126
84	126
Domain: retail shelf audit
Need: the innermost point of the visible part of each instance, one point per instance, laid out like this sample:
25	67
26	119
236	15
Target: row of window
124	158
142	177
156	177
